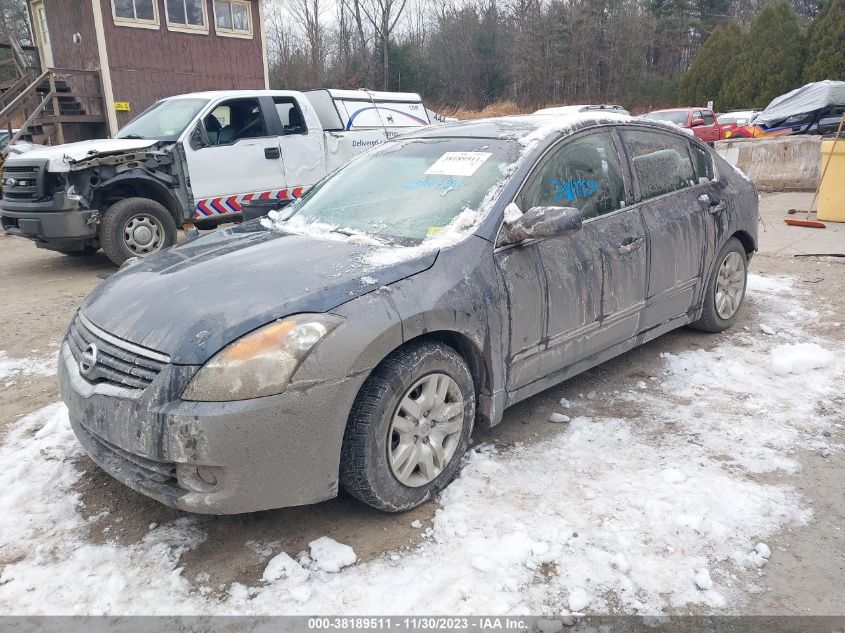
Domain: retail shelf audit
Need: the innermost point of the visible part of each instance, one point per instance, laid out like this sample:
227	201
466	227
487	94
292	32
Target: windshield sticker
458	164
433	230
574	188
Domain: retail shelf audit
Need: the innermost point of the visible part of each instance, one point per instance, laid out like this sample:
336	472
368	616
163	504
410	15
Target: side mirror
197	140
697	122
540	222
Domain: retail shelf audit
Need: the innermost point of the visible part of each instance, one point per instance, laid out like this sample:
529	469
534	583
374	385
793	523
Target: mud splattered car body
520	291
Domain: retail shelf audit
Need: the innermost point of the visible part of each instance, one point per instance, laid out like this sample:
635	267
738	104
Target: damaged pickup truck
193	160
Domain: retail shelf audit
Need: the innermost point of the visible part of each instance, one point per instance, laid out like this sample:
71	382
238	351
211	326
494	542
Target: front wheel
136	227
409	427
725	289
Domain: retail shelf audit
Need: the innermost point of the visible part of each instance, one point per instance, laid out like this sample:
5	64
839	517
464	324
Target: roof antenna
378	113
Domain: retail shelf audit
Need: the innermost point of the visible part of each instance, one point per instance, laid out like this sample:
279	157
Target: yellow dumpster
832	189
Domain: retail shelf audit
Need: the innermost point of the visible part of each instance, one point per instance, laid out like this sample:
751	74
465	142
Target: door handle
630	245
272	153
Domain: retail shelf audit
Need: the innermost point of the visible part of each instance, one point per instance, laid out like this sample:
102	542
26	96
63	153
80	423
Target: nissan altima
355	338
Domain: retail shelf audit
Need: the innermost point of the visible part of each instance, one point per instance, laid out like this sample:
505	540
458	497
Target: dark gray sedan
354	339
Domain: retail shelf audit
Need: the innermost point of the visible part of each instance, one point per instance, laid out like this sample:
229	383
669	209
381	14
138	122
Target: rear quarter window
661	162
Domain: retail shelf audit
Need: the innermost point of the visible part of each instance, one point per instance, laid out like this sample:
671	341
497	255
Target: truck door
301	145
241	158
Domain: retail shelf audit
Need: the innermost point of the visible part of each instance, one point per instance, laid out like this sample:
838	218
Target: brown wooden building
148	49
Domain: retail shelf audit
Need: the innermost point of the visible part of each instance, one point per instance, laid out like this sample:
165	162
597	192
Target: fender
162	185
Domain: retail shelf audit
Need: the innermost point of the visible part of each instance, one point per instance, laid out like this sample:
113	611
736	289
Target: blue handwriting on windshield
433	182
574	188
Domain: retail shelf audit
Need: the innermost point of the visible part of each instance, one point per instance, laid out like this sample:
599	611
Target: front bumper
252	455
60	228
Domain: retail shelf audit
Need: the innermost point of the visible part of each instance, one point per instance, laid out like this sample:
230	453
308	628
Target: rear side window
701	162
290	116
661	162
584	173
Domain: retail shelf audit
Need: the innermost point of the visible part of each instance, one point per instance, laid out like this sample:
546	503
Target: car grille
117	362
28	175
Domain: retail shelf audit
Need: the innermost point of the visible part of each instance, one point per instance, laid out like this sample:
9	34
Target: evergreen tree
826	54
712	66
771	61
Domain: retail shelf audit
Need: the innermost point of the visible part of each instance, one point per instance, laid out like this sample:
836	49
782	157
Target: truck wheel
136	227
409	427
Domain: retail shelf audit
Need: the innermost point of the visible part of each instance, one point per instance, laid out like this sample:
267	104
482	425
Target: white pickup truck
193	159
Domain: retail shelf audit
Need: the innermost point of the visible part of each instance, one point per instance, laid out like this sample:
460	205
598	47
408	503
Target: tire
136	227
714	316
374	433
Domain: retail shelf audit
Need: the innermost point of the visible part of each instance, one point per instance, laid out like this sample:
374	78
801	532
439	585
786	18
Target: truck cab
193	160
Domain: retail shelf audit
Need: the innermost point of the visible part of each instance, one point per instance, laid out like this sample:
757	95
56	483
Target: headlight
262	362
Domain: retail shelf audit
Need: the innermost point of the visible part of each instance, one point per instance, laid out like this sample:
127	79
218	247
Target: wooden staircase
58	106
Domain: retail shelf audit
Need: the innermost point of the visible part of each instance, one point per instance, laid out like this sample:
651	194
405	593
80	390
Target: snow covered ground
13	368
665	505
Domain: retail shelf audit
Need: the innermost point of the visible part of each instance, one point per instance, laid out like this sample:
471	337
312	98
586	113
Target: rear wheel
409	427
725	289
136	227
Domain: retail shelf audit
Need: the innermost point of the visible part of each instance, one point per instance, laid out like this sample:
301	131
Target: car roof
531	128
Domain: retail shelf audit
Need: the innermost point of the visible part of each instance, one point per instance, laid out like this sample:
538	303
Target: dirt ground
41	291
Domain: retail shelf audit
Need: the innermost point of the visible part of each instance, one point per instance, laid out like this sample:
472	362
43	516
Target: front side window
584	173
708	118
141	12
189	14
235	120
233	17
290	115
661	162
407	190
164	121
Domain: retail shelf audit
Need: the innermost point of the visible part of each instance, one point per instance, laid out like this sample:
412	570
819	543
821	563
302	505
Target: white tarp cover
808	98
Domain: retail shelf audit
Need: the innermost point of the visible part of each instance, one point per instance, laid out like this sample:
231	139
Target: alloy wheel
730	285
425	429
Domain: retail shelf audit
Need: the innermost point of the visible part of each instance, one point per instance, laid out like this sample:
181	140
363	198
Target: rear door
301	145
572	297
674	192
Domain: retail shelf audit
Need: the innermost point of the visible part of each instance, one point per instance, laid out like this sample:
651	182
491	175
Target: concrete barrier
790	163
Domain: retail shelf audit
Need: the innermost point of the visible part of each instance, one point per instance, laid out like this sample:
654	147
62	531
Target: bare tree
383	16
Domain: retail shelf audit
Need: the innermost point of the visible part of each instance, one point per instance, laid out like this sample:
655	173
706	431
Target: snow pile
800	357
651	508
15	367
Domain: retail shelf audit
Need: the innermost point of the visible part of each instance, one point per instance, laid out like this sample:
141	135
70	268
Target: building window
233	18
186	15
141	13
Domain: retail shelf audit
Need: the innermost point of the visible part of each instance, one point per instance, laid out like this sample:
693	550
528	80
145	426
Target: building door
42	34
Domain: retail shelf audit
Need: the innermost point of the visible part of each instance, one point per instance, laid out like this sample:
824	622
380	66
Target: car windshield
164	121
408	190
678	118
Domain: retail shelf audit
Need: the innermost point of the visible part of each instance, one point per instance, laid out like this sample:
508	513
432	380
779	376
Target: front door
574	296
42	34
673	177
240	161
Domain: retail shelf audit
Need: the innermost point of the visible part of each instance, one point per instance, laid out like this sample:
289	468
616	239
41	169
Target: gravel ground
41	290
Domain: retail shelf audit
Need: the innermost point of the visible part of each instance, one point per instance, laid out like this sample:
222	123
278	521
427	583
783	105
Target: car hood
58	156
191	300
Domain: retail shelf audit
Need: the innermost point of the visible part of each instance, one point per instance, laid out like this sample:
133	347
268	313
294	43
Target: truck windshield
164	121
678	118
408	190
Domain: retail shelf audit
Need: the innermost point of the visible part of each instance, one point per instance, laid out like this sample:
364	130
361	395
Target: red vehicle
701	121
